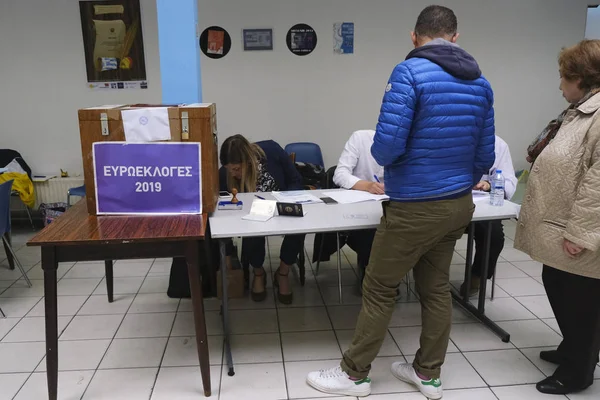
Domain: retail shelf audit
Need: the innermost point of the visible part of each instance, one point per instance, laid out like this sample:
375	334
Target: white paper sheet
354	196
261	211
479	195
146	124
296	196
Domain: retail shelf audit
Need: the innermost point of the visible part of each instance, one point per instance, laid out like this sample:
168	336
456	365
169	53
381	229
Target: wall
323	97
592	26
43	80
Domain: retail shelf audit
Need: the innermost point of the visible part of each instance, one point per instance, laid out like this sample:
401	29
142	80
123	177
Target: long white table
319	218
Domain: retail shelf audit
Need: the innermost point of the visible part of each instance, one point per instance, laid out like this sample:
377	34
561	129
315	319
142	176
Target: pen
257	196
376	179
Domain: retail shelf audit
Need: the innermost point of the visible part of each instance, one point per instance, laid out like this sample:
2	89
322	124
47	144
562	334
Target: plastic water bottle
497	189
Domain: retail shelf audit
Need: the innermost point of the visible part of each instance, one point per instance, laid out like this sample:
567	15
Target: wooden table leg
49	265
108	267
193	264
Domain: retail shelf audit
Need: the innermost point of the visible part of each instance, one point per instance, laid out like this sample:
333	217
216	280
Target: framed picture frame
260	39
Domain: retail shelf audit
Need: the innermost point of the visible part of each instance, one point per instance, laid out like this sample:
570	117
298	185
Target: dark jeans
360	241
496	246
253	250
575	301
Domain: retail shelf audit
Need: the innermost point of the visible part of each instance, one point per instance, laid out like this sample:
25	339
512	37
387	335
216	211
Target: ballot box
141	158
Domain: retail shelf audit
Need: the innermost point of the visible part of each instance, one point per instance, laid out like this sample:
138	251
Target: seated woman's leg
253	250
290	248
496	246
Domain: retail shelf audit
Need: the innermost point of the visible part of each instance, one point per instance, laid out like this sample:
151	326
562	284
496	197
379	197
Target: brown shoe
261	295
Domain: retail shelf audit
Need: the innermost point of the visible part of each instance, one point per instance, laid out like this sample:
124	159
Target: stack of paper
261	211
354	196
296	196
479	195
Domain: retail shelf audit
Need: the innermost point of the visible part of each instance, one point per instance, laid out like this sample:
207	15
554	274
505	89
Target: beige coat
562	200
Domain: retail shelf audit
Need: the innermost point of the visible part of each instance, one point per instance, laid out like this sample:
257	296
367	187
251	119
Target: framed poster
113	44
343	37
215	42
301	39
147	178
257	39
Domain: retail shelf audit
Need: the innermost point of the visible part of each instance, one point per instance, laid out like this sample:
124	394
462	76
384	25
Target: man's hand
376	188
572	249
483	185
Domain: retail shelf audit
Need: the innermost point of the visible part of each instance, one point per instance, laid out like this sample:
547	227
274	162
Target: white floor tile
254	382
130	268
160	268
121	285
343	317
457	373
506	270
245	321
296	373
406	314
350	295
36	272
134	353
6	324
521	286
469	394
310	346
155	284
78	355
257	348
458	258
9	274
212	304
92	327
71	385
505	309
33	330
99	305
525	392
185	383
11	384
329	277
20	289
308	296
20	357
592	393
476	337
511	254
504	367
539	305
122	384
183	352
552	323
304	319
87	270
246	303
77	287
408	340
531	268
67	306
532	333
17	307
153	303
388	349
146	325
184	324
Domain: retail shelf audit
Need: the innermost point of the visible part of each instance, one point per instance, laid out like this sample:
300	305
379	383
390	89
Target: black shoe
551	385
552	356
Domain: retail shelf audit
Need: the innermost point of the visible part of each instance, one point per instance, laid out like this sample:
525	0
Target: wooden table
78	236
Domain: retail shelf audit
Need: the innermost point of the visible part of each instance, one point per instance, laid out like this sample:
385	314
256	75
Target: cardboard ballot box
143	123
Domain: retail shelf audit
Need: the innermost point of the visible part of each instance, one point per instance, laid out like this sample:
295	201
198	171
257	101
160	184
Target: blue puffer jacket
435	135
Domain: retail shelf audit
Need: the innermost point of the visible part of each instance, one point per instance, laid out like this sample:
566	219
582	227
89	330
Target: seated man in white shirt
504	163
358	170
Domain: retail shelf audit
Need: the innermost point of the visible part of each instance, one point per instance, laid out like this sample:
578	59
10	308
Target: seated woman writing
262	167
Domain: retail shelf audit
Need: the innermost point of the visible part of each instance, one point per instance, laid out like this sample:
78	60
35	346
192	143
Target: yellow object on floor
22	185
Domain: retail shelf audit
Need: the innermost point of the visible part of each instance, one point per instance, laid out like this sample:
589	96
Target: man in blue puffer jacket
435	138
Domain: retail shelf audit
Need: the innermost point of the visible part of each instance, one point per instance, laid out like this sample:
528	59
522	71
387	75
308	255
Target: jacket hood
454	60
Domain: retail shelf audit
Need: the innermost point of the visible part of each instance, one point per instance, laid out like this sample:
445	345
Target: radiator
55	190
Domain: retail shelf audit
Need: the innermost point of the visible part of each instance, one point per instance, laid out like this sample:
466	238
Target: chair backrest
329	177
5	190
306	152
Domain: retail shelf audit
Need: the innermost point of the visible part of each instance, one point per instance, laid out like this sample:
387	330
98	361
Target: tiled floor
142	346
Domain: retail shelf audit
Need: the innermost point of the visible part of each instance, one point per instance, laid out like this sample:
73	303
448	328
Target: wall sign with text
301	39
215	42
147	178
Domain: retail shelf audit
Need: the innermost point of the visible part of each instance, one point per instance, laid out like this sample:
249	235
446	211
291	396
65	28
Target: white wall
592	27
43	80
323	97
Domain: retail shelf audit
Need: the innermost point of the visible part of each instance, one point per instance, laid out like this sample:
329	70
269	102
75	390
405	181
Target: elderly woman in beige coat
559	223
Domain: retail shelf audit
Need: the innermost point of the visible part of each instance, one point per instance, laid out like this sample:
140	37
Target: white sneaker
336	381
432	389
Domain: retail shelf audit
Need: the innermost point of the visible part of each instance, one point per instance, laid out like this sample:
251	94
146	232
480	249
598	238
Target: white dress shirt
504	162
356	162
